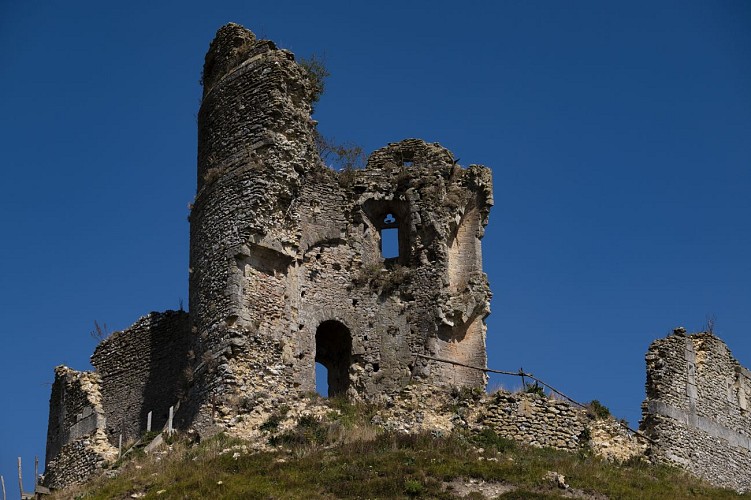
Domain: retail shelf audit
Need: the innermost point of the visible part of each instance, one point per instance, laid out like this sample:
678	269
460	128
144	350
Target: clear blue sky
619	135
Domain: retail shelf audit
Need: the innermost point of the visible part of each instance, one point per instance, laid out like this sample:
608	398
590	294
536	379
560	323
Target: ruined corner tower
287	265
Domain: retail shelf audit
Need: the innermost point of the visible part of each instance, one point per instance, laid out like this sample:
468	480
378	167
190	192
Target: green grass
320	464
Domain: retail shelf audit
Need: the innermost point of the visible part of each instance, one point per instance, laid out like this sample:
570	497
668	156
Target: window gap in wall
390	237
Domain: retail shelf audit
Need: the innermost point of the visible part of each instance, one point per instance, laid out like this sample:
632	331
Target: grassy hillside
345	457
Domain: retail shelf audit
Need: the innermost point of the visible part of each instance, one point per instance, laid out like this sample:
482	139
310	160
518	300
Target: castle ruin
287	260
288	268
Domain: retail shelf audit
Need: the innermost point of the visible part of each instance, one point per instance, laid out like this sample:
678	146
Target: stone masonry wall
533	419
537	421
142	370
138	370
76	443
697	408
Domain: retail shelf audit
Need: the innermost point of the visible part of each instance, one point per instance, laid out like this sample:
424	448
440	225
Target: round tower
255	143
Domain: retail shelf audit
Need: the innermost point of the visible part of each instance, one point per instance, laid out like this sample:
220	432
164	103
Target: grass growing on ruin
344	456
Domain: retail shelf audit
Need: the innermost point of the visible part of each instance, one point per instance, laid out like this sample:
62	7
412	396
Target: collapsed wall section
77	446
144	368
697	408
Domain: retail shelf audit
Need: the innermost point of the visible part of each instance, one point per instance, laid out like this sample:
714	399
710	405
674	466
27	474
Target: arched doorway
334	352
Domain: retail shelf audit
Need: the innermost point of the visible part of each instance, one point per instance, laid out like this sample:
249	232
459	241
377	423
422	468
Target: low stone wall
697	408
535	420
528	418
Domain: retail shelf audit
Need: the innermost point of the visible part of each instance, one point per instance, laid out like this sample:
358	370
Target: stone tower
287	264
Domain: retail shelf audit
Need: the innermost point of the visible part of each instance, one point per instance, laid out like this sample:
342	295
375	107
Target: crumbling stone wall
76	443
287	267
139	369
697	408
537	421
142	370
529	418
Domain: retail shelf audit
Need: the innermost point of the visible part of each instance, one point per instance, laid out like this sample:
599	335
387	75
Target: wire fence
521	373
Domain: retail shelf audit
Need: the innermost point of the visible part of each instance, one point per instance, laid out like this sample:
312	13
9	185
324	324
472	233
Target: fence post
36	472
120	446
169	422
2	481
148	422
20	479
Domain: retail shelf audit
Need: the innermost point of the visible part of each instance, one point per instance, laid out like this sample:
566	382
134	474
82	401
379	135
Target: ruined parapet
697	408
77	446
287	257
144	368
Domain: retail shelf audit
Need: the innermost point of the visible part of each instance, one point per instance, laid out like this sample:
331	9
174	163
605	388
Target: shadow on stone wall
142	369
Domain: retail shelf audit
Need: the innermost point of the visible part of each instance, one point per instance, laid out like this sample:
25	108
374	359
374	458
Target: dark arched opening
334	352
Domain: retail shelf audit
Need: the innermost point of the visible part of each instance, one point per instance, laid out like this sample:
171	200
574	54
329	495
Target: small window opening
333	358
407	157
390	237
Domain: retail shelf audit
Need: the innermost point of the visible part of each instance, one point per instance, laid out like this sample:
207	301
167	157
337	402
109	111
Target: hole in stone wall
390	243
334	353
390	237
322	382
390	219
